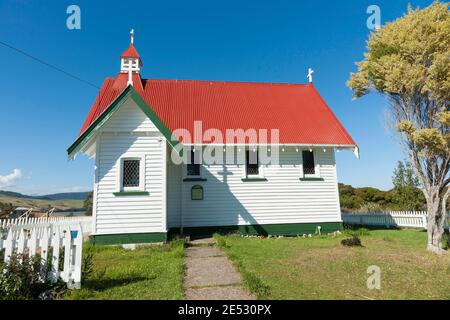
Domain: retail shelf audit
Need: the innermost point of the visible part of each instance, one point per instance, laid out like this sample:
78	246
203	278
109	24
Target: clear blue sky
269	41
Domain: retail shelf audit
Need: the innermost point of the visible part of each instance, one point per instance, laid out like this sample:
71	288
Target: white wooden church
153	141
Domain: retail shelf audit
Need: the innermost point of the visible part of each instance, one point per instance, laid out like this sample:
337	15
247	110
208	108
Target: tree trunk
436	215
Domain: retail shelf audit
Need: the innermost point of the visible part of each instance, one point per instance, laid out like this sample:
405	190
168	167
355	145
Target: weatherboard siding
282	199
129	118
129	132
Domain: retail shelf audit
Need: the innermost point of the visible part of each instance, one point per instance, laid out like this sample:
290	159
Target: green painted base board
129	238
294	229
264	230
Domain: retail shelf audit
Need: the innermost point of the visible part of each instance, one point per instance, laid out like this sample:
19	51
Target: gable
128	94
129	118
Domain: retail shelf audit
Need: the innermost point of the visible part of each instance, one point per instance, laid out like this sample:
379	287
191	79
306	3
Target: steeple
130	62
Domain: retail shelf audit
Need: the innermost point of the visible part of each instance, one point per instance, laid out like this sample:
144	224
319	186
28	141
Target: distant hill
56	196
60	201
66	196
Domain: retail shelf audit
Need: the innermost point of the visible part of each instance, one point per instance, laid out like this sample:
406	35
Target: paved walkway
210	275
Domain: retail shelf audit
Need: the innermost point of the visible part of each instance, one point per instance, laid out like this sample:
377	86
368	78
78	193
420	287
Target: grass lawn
321	268
150	273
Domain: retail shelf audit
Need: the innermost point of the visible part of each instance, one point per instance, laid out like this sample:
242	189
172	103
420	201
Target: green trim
131	193
295	229
129	238
254	179
312	179
194	179
129	92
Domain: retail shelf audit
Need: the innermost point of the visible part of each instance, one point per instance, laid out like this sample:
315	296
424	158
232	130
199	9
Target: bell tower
130	62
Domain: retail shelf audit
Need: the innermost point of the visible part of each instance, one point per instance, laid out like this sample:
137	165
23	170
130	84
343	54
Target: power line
48	64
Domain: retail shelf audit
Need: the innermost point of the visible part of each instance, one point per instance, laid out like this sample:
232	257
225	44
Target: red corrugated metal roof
131	52
297	110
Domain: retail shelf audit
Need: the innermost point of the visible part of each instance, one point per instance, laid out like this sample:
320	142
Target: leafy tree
87	204
406	194
408	62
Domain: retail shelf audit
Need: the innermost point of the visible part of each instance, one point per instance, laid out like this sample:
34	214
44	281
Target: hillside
60	201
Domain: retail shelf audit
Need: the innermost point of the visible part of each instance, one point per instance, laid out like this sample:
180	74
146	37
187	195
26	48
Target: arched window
197	193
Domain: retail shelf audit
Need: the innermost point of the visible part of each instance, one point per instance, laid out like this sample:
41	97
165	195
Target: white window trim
260	174
316	165
119	166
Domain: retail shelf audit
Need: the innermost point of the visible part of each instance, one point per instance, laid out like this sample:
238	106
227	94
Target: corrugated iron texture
131	52
296	110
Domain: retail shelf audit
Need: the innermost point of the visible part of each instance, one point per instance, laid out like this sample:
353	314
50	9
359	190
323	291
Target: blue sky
269	41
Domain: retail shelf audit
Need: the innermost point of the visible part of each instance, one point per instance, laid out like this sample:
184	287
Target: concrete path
210	275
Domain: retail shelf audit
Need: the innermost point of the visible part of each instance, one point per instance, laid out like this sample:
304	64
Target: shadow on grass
104	284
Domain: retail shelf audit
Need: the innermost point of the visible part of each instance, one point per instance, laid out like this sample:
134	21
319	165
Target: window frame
316	165
260	174
120	167
186	172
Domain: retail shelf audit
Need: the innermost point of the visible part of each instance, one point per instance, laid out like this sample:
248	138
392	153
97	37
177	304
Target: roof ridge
228	82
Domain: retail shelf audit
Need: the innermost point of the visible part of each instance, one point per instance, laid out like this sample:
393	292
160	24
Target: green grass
321	268
147	273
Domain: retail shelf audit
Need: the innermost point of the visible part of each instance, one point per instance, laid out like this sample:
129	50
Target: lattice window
309	167
131	173
252	162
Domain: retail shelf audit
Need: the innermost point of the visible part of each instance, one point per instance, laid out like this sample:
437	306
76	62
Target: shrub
352	242
22	278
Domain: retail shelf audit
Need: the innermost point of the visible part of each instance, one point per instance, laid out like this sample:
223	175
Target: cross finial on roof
132	36
310	74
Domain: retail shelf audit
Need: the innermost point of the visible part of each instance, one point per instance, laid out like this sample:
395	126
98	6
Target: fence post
9	246
56	242
78	247
67	242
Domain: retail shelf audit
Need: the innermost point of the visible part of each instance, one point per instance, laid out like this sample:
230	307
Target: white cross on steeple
310	75
132	36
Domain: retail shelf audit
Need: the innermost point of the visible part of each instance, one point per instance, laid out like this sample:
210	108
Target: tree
406	195
87	204
408	62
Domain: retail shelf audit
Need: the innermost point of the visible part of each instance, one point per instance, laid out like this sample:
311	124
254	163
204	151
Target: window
131	177
309	168
131	174
252	163
193	166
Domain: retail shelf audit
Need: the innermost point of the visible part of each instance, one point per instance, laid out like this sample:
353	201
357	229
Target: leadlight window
131	174
309	168
252	162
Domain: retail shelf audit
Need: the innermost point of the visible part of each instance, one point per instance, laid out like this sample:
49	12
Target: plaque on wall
197	193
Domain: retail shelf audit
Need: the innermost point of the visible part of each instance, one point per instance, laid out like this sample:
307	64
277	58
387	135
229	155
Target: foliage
23	278
5	209
87	204
408	62
352	242
406	194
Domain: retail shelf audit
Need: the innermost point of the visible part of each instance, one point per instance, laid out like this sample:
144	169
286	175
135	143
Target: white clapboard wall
39	239
411	219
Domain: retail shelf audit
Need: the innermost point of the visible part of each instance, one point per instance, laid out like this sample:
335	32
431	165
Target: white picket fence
39	240
33	236
410	219
28	223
